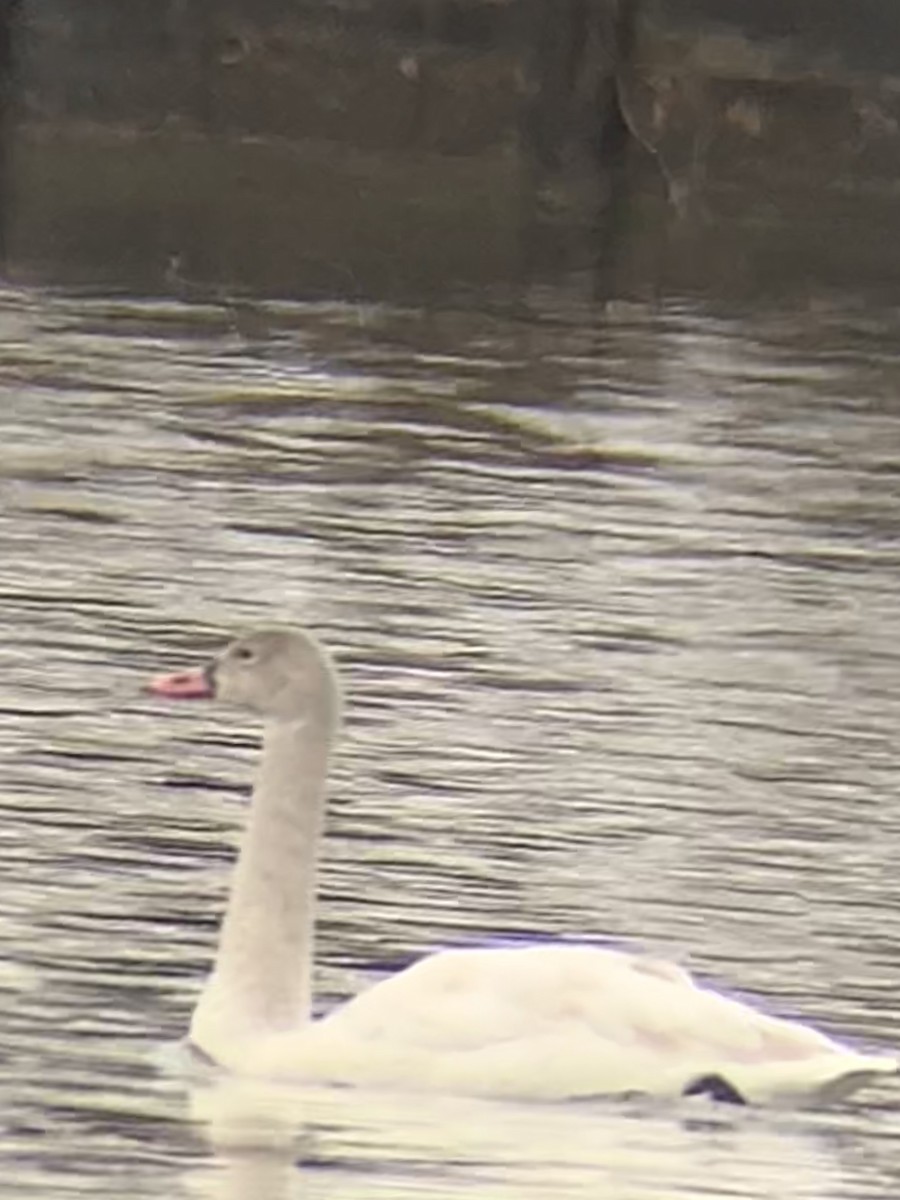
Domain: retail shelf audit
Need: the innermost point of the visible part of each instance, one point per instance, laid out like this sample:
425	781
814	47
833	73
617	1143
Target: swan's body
537	1022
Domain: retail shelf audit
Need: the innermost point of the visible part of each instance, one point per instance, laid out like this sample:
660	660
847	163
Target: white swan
537	1022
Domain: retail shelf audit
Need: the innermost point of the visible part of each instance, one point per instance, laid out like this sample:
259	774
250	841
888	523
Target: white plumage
551	1023
534	1022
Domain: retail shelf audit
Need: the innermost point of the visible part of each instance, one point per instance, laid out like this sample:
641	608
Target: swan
539	1022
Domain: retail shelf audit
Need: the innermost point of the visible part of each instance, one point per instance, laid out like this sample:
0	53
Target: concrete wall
404	147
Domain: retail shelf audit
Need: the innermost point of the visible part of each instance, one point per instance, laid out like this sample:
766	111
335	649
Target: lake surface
615	597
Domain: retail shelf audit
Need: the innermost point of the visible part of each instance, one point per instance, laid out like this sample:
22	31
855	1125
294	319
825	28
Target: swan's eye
244	654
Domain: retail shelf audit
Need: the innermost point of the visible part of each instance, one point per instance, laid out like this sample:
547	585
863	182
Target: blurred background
412	149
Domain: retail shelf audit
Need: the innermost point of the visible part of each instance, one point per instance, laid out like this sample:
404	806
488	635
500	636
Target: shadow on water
614	595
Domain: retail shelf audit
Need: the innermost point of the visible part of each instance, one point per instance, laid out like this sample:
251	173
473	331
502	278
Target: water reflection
377	1144
616	605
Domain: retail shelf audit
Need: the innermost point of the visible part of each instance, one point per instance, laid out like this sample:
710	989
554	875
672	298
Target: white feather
551	1023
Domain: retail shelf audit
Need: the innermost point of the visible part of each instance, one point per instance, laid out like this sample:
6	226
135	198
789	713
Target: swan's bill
185	685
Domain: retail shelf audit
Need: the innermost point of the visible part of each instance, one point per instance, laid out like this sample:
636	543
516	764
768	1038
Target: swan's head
278	674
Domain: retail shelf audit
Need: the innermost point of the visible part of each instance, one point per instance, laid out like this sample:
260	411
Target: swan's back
465	999
555	1022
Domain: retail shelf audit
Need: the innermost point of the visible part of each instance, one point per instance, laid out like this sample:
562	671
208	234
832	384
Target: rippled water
615	597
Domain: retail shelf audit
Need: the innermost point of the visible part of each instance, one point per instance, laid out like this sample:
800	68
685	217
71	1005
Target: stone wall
408	146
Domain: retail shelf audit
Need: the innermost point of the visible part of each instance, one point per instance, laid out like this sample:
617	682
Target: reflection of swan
273	1140
531	1022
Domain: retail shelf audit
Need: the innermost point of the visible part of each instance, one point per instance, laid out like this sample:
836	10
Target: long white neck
262	979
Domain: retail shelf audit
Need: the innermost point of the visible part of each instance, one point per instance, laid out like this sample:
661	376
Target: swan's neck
262	979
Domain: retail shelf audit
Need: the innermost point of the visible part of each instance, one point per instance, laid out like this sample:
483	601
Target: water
615	599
